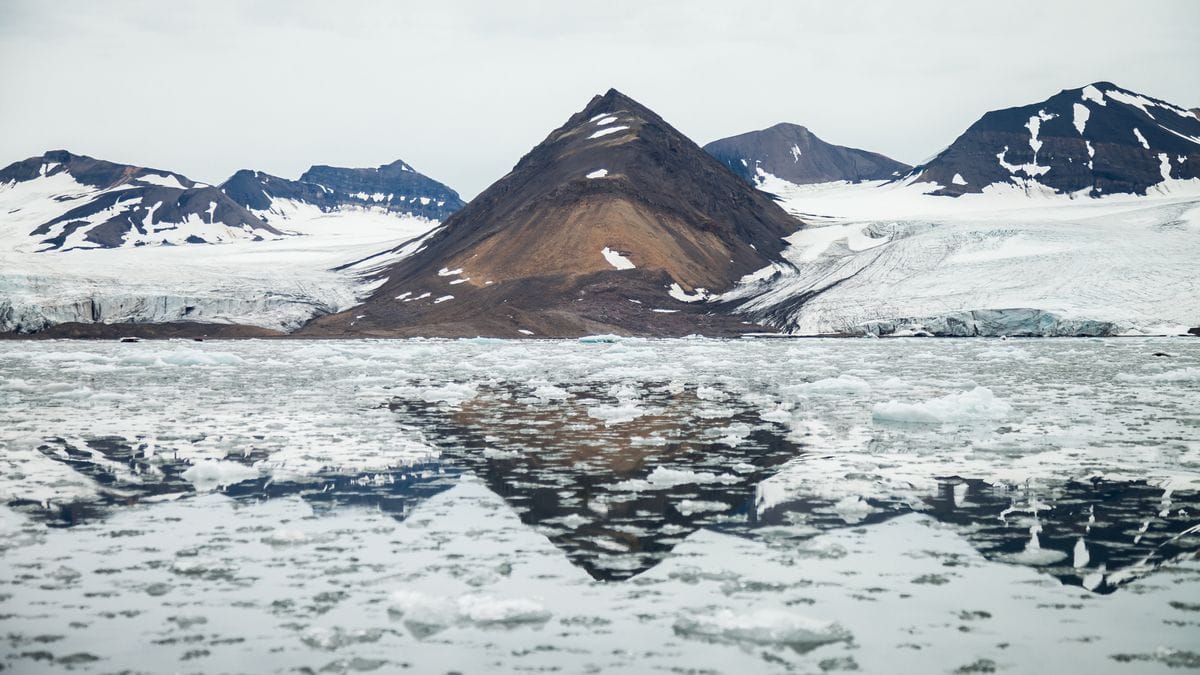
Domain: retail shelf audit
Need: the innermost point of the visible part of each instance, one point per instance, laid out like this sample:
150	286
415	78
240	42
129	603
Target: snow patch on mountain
606	131
617	260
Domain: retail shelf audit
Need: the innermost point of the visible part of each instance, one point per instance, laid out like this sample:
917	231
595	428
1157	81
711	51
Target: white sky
461	89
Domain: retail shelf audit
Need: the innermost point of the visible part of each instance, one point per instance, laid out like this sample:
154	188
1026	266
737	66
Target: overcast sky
462	89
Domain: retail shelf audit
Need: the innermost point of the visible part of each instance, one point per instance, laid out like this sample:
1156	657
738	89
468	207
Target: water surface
920	505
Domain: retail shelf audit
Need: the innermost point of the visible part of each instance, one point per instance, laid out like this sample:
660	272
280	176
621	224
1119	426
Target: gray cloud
461	89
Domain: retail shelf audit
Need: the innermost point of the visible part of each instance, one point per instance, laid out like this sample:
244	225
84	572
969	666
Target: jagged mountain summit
795	154
63	201
616	222
394	188
1096	140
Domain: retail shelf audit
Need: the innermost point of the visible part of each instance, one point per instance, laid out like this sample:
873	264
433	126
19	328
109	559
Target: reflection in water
1098	534
614	483
615	476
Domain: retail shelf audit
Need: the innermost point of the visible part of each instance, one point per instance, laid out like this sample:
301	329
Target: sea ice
210	475
977	405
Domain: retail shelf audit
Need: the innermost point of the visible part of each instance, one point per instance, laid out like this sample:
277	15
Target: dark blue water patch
1128	530
125	474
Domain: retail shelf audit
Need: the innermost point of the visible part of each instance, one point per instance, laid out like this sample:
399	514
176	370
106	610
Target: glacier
277	283
889	259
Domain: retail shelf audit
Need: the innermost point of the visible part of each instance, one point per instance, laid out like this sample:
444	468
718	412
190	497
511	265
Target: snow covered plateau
602	505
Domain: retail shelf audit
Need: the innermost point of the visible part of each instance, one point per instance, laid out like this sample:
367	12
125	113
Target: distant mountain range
618	223
795	154
394	188
64	201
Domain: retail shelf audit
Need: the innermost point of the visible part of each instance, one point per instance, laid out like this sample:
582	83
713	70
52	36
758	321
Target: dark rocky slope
395	188
795	154
1096	140
614	216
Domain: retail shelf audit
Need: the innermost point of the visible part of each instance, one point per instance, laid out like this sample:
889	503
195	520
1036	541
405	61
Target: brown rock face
547	249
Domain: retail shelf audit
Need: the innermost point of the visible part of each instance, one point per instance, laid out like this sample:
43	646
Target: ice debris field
608	505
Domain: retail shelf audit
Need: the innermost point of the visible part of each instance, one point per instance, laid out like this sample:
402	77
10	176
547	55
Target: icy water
631	506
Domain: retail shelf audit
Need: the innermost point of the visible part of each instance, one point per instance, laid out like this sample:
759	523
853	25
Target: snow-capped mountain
1096	140
85	242
61	201
797	155
615	223
392	188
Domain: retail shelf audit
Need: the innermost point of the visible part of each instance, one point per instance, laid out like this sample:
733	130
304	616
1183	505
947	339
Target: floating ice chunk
616	414
1181	375
842	384
690	507
760	627
853	509
210	474
608	130
181	357
662	478
600	339
495	453
285	537
452	393
425	614
549	392
485	610
331	639
616	259
978	404
1081	115
598	173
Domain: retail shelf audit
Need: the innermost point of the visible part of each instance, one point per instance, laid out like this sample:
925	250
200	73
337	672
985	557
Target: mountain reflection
616	475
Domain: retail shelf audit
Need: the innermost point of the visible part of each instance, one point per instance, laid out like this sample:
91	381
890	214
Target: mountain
1096	140
393	188
795	154
63	201
616	222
